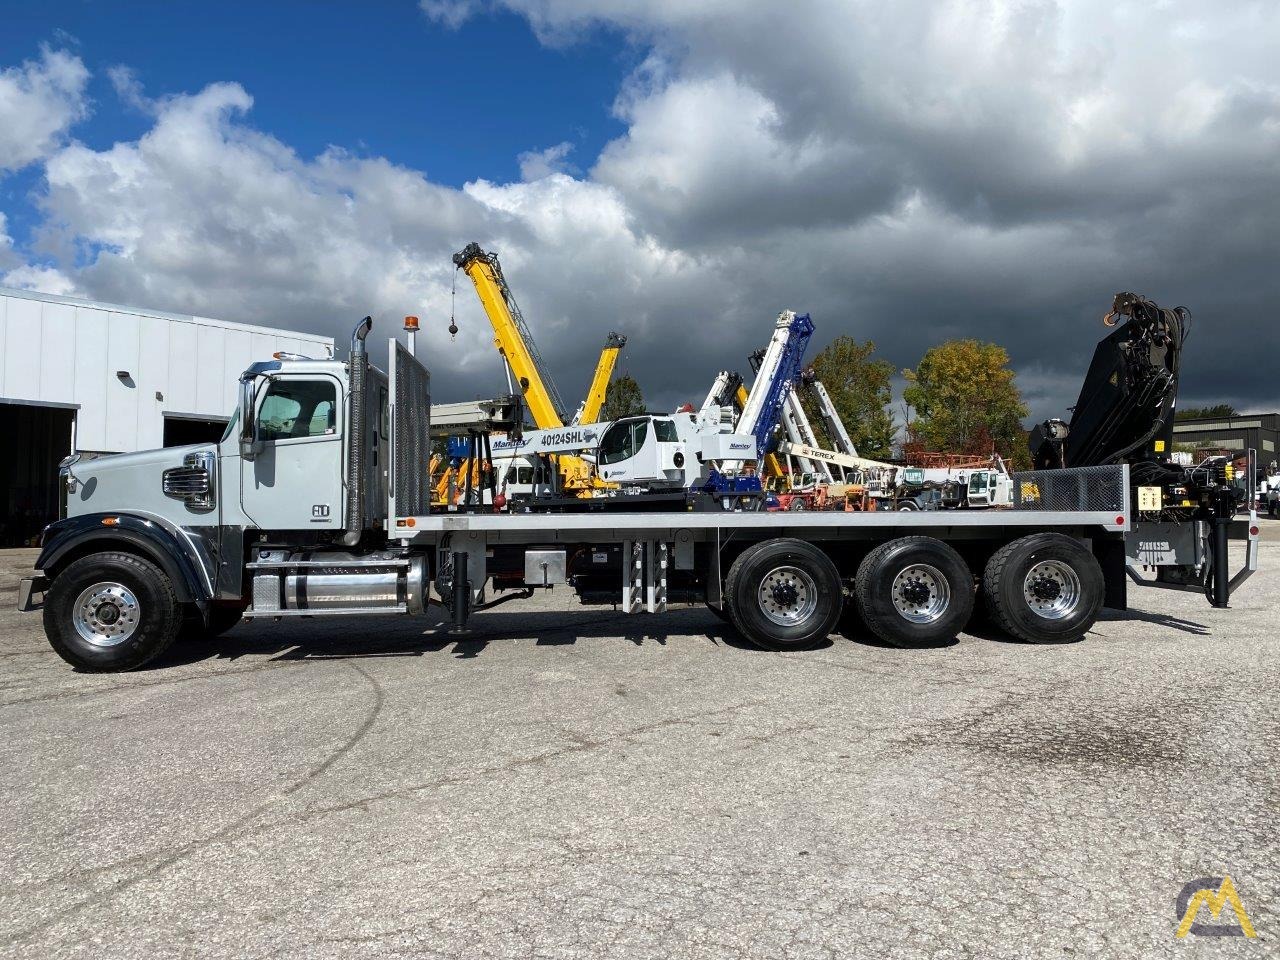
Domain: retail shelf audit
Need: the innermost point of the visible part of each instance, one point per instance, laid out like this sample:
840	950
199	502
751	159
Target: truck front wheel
784	594
915	592
1046	588
111	611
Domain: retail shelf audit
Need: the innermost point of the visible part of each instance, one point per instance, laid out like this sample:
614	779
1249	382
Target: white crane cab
989	488
670	452
652	450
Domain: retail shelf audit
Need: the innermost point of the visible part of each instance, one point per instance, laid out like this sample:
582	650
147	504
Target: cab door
293	481
979	489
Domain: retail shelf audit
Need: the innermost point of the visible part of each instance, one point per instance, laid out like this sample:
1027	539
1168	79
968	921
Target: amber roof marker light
411	328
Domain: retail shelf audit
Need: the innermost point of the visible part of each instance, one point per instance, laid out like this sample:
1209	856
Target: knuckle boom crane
1124	415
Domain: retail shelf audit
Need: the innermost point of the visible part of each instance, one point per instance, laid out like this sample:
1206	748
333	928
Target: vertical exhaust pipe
357	432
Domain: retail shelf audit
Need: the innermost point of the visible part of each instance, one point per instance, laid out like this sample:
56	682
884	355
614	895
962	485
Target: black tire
145	621
796	504
1005	582
907	505
896	610
806	585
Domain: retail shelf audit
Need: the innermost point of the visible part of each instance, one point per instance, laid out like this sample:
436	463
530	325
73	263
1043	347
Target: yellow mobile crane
514	341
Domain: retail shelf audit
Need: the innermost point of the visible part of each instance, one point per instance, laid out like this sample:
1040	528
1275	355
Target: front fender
132	534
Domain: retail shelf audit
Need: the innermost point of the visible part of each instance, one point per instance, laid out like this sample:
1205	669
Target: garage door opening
181	431
36	439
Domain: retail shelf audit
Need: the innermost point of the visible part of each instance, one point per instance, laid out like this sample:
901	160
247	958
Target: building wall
1260	432
59	351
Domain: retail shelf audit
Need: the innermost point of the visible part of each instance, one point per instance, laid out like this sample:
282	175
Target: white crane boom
830	416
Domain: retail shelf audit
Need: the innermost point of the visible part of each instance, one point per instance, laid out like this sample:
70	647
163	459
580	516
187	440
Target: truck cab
989	488
164	534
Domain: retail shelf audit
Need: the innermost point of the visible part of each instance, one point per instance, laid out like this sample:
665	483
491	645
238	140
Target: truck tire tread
830	595
1005	611
895	630
161	613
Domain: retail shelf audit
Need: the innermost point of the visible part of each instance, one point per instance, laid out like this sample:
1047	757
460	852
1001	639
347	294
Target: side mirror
249	446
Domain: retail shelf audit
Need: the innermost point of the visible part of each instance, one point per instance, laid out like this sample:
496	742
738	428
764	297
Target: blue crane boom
778	373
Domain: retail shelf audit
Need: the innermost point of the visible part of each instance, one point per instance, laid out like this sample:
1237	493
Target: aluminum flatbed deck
592	525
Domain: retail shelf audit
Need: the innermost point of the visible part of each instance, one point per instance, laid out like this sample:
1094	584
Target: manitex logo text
1213	893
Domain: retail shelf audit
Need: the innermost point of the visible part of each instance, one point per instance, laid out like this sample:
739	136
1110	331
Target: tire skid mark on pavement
228	830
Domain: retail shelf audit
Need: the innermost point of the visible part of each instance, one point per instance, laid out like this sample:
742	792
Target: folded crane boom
799	432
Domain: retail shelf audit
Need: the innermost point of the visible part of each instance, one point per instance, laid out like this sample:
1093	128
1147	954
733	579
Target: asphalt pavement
574	782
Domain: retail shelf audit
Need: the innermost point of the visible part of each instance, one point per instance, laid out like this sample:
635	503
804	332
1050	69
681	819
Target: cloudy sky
906	172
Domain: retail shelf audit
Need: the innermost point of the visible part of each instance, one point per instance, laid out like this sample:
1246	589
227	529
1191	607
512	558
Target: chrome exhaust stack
357	432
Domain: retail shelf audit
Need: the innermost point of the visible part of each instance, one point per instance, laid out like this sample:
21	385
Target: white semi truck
316	503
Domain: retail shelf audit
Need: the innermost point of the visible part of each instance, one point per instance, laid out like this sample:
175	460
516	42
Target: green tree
1217	410
622	398
966	401
860	391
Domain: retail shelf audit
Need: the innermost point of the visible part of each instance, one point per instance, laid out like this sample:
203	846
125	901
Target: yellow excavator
512	337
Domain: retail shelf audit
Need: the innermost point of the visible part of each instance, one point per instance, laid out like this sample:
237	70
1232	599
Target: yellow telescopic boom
511	335
589	411
514	341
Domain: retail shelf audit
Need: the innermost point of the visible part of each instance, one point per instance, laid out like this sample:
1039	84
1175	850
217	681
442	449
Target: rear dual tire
1046	588
784	595
915	592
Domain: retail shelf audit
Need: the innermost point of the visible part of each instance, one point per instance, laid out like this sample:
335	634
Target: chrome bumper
28	587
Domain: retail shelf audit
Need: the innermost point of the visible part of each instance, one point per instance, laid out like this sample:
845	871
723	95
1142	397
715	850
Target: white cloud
451	13
536	164
14	272
42	279
39	101
205	214
125	82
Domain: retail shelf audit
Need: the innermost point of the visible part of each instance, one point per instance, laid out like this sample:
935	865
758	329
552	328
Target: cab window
298	408
622	440
665	431
977	483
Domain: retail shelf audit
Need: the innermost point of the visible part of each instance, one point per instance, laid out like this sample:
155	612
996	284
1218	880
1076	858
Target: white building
100	378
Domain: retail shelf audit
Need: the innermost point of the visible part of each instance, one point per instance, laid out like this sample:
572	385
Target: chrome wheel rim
1052	589
921	593
787	596
106	614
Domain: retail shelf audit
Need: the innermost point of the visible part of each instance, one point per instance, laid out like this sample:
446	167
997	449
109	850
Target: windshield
622	440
